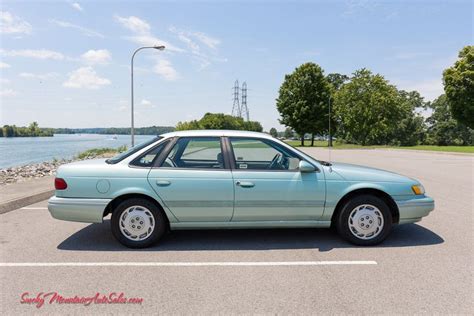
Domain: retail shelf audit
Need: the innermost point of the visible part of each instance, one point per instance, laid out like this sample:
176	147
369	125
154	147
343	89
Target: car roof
229	133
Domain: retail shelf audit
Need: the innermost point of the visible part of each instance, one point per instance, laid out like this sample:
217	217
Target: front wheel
364	220
137	223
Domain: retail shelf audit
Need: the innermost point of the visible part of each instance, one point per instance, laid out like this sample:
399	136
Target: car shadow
98	237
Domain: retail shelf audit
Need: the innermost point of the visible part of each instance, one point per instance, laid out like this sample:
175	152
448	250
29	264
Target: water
17	151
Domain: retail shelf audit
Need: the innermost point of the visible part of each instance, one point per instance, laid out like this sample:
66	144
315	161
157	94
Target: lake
17	151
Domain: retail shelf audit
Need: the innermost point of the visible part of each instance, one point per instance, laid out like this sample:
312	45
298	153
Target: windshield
132	150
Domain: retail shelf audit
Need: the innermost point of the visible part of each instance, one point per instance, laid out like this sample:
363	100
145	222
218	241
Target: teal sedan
232	179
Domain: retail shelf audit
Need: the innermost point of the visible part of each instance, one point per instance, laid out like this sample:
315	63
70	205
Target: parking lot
424	267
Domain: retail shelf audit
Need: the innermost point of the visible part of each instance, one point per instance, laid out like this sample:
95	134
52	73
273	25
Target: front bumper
78	210
413	210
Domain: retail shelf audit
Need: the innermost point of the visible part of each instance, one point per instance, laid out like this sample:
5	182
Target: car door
268	185
194	182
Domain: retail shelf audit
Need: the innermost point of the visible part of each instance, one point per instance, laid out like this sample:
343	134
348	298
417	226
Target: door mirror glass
305	166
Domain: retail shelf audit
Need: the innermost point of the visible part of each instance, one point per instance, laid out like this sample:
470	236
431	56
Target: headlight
418	189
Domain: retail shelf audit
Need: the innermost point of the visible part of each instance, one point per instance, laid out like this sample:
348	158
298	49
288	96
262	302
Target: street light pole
132	130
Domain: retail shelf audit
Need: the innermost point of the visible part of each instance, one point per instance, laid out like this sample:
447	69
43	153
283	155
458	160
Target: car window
147	159
196	152
258	154
131	151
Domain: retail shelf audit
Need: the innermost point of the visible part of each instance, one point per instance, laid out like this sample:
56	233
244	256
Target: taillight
60	184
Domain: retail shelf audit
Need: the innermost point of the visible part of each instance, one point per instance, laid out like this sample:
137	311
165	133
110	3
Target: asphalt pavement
421	268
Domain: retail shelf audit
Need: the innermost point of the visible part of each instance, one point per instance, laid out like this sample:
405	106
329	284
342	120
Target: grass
103	152
337	145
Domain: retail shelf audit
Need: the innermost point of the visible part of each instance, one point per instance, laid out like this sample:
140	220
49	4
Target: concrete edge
17	203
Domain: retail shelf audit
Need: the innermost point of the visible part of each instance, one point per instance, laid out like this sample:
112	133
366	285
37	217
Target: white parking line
184	264
33	208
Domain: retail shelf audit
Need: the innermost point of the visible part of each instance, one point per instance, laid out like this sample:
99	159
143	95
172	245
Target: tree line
33	130
366	109
220	121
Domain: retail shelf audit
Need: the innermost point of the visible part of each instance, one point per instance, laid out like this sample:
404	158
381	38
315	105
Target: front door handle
163	183
245	184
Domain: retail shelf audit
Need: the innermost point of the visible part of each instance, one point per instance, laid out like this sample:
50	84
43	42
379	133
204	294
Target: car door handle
163	183
245	184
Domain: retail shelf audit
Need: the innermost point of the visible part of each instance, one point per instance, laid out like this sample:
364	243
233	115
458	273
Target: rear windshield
132	150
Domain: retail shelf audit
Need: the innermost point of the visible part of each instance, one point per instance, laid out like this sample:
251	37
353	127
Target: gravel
37	170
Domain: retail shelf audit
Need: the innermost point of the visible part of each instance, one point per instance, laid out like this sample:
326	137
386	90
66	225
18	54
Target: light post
132	130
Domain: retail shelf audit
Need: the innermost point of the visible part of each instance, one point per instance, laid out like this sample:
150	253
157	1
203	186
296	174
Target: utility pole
236	111
244	109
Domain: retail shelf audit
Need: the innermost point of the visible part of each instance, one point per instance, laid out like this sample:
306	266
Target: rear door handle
163	183
245	184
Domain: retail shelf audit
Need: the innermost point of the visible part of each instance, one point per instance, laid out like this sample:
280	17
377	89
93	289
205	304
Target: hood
361	173
84	168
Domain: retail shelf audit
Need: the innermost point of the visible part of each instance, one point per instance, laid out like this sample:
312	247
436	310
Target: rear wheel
364	220
138	223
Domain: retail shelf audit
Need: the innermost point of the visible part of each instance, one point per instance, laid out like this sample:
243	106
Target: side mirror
305	166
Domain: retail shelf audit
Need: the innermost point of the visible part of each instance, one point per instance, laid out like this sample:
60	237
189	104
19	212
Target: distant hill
151	130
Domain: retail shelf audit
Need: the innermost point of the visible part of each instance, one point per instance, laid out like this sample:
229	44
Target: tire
148	221
364	220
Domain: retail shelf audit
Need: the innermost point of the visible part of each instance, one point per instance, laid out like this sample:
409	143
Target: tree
336	81
459	87
303	100
411	129
273	132
220	121
367	109
444	130
288	133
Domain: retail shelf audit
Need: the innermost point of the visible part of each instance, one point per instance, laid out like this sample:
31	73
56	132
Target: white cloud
202	46
34	53
4	81
11	24
134	24
8	93
85	77
207	40
164	68
189	37
29	75
145	102
143	35
83	30
77	6
4	65
100	56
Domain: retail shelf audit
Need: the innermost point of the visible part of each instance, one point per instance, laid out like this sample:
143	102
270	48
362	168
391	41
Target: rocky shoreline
38	170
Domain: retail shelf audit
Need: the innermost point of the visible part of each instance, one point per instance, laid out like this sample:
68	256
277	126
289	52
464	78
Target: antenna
329	132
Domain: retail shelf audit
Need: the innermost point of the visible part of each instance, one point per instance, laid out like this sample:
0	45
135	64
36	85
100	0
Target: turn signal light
60	184
418	189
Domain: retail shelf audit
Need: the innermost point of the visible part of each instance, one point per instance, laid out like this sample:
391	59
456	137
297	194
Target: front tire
138	223
364	220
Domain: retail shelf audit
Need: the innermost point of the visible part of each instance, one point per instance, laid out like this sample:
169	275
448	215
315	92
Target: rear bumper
414	209
78	210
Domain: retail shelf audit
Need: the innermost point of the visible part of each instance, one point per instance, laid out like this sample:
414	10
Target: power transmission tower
244	110
236	111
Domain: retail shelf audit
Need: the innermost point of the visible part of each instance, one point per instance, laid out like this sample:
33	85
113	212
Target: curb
14	204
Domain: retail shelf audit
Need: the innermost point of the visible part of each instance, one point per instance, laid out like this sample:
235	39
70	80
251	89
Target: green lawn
336	145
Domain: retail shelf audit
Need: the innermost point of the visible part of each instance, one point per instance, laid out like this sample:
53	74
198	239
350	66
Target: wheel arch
368	191
119	199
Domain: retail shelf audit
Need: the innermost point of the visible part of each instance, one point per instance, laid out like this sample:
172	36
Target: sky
67	63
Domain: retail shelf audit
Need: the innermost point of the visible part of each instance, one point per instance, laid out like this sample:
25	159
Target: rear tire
364	220
138	223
